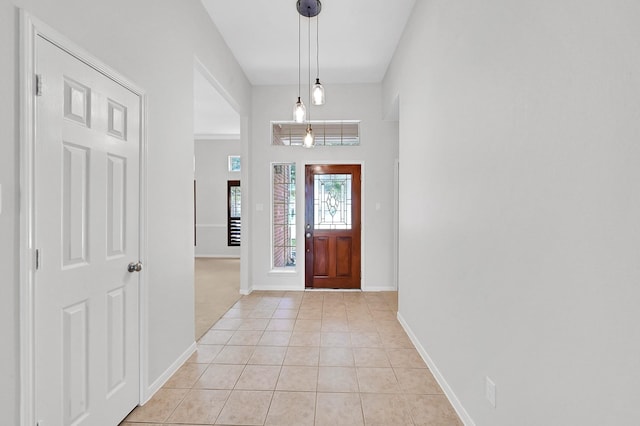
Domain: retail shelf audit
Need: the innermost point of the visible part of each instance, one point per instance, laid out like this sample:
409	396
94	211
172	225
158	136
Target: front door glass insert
332	201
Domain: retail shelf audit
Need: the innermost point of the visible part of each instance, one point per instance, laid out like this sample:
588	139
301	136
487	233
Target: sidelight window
284	215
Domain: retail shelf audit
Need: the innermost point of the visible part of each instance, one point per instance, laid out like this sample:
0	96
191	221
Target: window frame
232	220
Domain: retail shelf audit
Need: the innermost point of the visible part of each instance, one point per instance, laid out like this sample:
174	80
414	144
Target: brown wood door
332	226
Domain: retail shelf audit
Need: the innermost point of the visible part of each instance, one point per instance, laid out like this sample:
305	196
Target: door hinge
37	259
38	84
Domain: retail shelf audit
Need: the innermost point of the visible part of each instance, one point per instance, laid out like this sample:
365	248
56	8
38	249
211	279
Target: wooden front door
332	226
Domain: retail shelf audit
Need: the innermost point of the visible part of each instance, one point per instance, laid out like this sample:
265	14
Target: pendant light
299	111
317	97
309	140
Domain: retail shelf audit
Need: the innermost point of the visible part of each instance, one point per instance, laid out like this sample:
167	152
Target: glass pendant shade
318	93
299	112
309	140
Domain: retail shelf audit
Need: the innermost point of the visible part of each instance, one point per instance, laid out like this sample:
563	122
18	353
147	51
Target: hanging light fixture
299	111
317	97
308	8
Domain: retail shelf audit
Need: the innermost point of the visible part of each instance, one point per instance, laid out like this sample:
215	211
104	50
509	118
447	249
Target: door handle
134	267
308	235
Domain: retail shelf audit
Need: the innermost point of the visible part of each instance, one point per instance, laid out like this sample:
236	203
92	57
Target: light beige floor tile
334	325
408	358
236	313
275	338
245	338
262	313
335	340
186	376
305	338
216	337
278	324
292	409
336	357
366	340
362	325
396	340
159	408
307	325
285	313
234	355
227	324
258	377
384	410
200	406
392	326
268	355
219	376
245	408
337	379
428	410
386	315
297	378
333	409
377	380
371	357
204	354
378	306
253	324
290	303
302	356
245	303
417	381
309	313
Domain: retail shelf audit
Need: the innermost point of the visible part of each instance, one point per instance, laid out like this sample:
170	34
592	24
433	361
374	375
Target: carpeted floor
217	288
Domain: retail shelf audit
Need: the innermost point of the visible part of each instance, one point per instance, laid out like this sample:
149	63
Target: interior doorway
217	235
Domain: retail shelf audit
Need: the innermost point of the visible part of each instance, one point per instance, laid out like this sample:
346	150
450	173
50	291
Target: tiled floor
303	358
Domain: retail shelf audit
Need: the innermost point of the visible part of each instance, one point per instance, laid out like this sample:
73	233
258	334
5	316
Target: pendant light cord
318	47
309	68
299	56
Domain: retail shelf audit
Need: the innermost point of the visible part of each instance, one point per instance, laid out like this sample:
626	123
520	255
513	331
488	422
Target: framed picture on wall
234	163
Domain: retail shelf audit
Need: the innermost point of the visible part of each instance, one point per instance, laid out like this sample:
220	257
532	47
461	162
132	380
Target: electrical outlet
490	391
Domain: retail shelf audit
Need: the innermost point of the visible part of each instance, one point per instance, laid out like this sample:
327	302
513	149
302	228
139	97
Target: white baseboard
379	288
217	256
258	287
451	396
160	381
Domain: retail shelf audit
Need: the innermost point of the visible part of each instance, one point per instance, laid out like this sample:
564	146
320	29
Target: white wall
212	174
520	204
377	152
152	43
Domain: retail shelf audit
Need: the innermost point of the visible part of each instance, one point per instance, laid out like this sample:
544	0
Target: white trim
451	396
164	377
217	256
376	288
30	28
216	137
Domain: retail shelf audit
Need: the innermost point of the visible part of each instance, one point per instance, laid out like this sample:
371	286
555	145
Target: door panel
86	229
332	230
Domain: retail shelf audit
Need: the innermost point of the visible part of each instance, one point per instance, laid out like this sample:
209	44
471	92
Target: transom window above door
326	133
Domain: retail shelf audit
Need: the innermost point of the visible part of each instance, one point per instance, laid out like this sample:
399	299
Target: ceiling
357	39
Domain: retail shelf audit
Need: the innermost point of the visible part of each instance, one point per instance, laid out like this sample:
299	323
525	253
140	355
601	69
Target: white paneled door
87	212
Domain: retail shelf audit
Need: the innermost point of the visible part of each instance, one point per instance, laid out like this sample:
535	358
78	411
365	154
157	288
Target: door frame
30	29
301	207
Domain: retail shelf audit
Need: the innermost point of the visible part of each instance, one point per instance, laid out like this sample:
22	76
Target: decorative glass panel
234	163
332	201
284	215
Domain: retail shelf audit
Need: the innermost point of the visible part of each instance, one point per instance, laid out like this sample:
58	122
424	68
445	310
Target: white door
86	225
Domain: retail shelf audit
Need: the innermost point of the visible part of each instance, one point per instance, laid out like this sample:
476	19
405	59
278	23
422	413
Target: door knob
308	235
134	267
